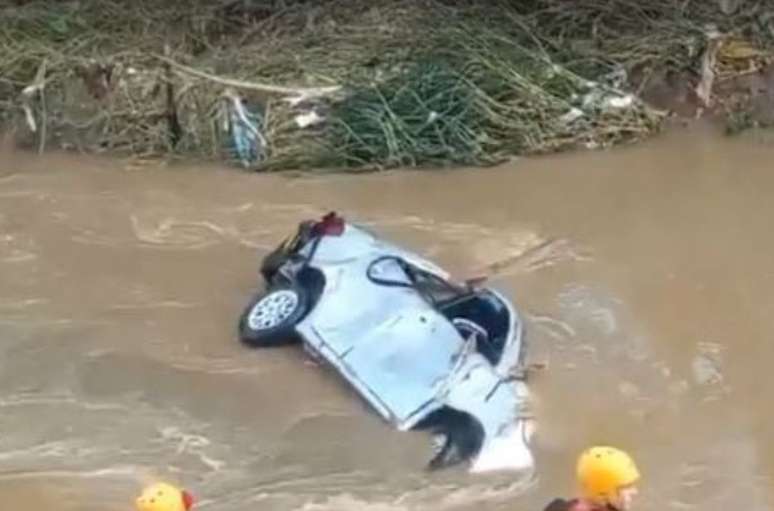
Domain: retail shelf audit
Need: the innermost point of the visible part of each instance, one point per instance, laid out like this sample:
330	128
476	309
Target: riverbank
333	84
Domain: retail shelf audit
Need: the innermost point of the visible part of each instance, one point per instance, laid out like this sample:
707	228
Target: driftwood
306	92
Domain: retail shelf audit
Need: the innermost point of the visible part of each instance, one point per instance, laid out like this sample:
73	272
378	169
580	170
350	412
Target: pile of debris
297	84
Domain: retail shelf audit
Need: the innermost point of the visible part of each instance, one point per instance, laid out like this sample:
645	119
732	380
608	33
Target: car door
405	359
386	339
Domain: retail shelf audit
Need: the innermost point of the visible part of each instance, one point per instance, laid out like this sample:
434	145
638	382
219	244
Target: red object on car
330	225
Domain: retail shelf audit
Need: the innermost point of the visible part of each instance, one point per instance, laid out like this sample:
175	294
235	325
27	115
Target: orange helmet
603	470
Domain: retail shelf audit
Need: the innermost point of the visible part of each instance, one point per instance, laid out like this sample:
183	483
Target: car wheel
458	437
270	318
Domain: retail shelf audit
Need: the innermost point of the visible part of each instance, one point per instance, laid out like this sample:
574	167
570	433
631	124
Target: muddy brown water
645	279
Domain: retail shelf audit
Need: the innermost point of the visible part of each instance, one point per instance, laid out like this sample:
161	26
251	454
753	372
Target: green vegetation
419	83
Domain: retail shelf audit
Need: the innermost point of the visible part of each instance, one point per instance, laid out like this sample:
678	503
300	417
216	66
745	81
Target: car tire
270	318
460	437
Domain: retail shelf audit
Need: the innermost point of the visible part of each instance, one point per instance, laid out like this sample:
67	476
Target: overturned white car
424	352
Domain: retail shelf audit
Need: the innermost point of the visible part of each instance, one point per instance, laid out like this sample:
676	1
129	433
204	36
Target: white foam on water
437	497
108	472
19	400
190	443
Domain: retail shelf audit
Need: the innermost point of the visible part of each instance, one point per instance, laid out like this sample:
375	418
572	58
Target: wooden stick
241	84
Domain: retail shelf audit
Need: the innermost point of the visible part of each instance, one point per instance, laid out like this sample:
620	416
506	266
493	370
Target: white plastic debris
619	102
592	99
571	116
607	101
308	119
592	144
244	127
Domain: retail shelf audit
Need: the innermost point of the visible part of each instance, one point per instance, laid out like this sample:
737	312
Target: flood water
645	278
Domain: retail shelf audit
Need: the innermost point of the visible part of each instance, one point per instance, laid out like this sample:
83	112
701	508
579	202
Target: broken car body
424	352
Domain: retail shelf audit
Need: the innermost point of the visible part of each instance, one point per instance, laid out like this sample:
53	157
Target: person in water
608	479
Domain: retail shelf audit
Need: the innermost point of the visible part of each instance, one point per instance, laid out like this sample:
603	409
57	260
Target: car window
434	287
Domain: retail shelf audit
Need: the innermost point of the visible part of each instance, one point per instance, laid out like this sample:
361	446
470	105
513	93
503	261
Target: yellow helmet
163	497
603	470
